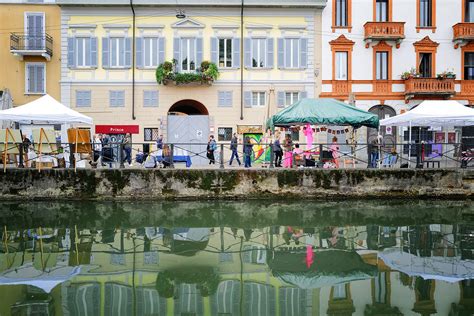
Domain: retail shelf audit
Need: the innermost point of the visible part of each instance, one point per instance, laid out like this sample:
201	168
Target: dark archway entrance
389	133
188	130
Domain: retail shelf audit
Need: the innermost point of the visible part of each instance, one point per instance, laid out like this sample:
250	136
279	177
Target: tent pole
5	151
409	146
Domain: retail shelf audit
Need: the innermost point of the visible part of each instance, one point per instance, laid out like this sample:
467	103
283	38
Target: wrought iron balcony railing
30	45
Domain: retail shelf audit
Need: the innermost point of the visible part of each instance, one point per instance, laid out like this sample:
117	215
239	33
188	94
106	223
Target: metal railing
321	155
25	42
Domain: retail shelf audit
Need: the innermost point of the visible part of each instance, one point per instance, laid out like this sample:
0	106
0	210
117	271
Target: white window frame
293	41
78	92
261	101
188	41
226	40
261	41
379	67
341	74
292	95
151	105
26	78
110	99
84	52
149	63
118	51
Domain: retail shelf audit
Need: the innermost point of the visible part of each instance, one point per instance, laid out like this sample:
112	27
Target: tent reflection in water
330	267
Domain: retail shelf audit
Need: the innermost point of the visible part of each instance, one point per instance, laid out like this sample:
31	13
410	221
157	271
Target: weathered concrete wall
234	184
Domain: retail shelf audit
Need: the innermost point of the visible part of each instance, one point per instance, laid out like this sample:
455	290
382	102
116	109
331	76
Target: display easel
44	145
81	139
11	138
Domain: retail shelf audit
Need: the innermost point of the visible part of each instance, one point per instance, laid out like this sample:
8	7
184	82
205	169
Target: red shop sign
116	129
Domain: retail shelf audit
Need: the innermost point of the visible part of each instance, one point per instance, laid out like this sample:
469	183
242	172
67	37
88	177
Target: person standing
277	151
334	149
233	147
248	148
288	146
159	142
211	148
374	153
127	147
97	147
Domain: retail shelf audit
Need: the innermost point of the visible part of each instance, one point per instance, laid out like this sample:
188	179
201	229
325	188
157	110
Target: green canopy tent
323	112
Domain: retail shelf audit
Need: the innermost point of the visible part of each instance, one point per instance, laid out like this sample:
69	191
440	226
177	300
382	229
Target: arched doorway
188	130
389	133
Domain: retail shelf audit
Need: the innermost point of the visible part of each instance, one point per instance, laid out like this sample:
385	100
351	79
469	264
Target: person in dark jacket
211	147
233	148
248	148
278	152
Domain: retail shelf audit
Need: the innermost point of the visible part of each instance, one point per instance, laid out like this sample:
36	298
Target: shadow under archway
188	107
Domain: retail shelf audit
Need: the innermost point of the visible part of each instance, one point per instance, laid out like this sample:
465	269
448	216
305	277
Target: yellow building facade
267	59
30	54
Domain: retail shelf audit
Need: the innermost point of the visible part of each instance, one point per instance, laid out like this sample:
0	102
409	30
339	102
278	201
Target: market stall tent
434	113
45	110
323	112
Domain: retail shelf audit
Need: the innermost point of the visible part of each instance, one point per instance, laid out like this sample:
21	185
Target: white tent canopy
435	113
45	109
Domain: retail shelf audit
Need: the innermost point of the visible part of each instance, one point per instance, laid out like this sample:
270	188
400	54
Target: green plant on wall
207	73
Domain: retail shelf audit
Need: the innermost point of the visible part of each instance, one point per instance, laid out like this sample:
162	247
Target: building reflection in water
269	270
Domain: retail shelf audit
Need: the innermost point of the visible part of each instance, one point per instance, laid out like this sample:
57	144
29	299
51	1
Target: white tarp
45	109
449	269
435	113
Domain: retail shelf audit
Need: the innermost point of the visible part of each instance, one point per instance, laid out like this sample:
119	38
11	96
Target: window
83	49
258	99
188	54
426	13
469	11
35	78
469	66
259	52
150	98
341	65
34	29
117	98
151	134
224	98
150	52
83	98
341	11
339	292
224	134
381	65
225	52
425	65
381	11
117	52
291	97
292	53
295	135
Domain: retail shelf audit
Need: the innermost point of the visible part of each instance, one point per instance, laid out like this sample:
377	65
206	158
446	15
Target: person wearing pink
308	132
288	146
334	149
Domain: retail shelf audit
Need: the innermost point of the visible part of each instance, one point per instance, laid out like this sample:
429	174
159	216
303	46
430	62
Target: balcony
433	87
384	31
463	33
27	45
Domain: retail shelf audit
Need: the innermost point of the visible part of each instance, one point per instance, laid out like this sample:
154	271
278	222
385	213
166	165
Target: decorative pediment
426	42
341	42
382	45
188	24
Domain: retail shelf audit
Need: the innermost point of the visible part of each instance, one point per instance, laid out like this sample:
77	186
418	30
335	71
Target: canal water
234	258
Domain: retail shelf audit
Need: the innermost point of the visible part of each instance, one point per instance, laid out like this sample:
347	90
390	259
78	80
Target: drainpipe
133	61
242	61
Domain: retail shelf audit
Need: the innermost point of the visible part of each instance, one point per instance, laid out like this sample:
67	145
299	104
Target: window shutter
198	52
248	99
303	95
154	100
229	98
221	98
214	50
128	52
154	51
161	48
281	54
40	78
247	52
105	52
236	52
71	52
281	99
87	98
139	52
146	98
93	52
303	53
31	79
269	53
176	53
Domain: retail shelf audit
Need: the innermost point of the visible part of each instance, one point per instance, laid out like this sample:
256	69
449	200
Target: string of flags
328	130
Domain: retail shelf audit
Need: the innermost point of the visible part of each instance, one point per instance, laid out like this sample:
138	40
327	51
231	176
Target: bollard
120	156
222	157
71	155
321	154
21	165
271	156
171	156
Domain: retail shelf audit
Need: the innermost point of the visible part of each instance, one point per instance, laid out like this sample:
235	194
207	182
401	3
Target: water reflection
255	258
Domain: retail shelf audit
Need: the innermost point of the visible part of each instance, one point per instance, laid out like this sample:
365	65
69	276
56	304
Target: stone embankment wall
20	184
